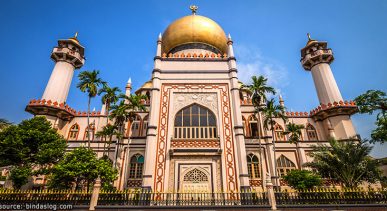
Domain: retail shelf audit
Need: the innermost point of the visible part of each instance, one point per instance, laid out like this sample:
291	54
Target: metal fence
148	198
45	196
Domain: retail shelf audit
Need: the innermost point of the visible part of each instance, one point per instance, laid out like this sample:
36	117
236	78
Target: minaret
316	57
128	87
333	114
68	55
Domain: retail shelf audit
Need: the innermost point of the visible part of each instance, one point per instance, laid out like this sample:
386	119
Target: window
195	176
311	132
91	131
135	128
73	133
279	133
144	126
135	166
253	166
195	122
284	165
244	125
253	126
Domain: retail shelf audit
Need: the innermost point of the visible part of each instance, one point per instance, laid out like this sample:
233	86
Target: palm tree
259	88
89	82
295	132
125	111
347	162
110	97
107	131
271	111
4	123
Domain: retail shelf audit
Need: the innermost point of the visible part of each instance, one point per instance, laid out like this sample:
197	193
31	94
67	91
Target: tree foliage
259	88
302	179
295	132
346	162
81	167
4	123
375	101
30	145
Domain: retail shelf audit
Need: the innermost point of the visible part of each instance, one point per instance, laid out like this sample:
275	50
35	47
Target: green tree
302	179
295	132
89	81
4	123
271	111
107	133
81	167
125	111
347	162
110	96
259	88
33	144
375	101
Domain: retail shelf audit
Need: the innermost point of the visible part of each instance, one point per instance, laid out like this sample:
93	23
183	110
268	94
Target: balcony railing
208	132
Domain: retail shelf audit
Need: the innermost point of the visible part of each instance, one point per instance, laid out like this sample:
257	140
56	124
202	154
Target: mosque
200	132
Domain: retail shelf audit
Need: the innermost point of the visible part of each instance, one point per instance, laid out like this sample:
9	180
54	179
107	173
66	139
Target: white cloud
251	62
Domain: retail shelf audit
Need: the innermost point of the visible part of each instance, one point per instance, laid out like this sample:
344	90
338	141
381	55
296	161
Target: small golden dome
194	29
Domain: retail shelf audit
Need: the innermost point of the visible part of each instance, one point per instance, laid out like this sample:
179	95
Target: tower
333	113
68	56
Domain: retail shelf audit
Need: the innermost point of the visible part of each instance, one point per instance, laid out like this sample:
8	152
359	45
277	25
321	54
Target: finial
229	37
159	38
308	36
76	35
280	98
130	81
194	8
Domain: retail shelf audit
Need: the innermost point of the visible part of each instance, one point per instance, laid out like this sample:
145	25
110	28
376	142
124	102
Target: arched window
284	165
195	122
244	125
253	166
279	133
136	166
90	129
253	126
195	176
144	125
311	132
73	132
135	128
148	95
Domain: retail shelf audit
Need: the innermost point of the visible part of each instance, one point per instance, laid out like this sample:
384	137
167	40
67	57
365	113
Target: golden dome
194	29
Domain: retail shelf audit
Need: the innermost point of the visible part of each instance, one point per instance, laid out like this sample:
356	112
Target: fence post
270	192
95	194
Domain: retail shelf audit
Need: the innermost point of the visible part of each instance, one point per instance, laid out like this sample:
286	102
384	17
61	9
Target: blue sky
120	40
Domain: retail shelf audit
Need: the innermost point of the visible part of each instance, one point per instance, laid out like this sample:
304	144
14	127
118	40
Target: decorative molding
209	100
228	150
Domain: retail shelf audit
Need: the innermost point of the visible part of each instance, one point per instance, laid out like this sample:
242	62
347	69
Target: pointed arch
135	126
89	129
311	132
279	132
284	165
253	126
253	166
136	166
195	122
73	132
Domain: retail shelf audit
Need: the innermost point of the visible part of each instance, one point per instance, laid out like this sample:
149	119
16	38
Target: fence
147	198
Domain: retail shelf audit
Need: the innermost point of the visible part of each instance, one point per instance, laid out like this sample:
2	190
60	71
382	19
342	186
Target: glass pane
195	120
178	120
211	120
203	121
141	159
195	109
186	120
